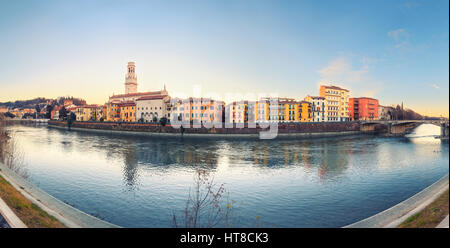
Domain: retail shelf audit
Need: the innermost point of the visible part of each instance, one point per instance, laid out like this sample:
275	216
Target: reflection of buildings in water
306	153
281	153
166	153
130	169
334	159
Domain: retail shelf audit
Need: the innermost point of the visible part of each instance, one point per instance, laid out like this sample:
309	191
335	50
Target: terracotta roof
139	94
157	97
125	104
364	98
89	106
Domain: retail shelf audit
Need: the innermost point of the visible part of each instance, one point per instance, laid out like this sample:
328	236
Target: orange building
363	108
127	111
197	110
305	111
112	111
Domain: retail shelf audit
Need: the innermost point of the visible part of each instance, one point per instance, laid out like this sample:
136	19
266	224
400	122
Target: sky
395	51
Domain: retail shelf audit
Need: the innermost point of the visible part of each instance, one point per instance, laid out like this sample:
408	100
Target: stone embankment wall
323	127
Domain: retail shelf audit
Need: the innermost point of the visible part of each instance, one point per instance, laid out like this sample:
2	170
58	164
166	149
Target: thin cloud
400	36
342	72
411	5
341	69
435	86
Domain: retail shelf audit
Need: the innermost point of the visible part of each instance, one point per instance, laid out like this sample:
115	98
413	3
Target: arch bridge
401	127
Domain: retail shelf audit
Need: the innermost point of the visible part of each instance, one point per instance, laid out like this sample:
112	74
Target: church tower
131	79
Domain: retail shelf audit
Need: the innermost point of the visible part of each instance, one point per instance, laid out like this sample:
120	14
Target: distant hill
41	101
22	104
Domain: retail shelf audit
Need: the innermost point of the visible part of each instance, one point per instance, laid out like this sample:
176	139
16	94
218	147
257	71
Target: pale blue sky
392	50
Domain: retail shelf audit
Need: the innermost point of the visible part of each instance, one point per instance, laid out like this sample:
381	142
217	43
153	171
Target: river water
144	181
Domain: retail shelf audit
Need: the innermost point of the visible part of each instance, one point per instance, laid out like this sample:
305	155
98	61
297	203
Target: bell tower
131	79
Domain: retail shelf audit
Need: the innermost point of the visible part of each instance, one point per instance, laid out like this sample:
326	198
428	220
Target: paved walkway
444	223
66	214
397	214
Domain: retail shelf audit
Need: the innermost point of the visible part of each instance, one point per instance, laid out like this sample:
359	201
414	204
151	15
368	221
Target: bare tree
206	206
10	154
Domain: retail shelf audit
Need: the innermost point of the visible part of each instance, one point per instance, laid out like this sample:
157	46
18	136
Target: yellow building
336	102
112	112
289	110
127	112
305	111
87	113
282	110
197	110
262	110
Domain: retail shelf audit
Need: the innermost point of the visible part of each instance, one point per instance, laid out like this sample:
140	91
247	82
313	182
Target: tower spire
131	79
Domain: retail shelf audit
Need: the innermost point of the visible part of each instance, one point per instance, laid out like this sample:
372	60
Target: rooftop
156	97
150	93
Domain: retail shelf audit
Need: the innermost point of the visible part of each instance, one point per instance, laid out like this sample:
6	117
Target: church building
131	88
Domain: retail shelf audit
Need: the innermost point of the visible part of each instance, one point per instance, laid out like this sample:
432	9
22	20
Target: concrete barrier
299	130
397	214
10	217
66	214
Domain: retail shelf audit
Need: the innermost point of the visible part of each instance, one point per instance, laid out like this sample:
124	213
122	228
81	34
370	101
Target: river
142	181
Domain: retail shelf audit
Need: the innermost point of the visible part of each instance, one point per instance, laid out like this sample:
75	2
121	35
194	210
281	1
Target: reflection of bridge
400	127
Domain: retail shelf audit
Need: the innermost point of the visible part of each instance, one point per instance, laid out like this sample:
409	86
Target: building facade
131	79
291	110
197	110
385	112
127	111
336	102
238	112
112	111
262	111
363	108
131	88
318	113
151	108
87	113
305	111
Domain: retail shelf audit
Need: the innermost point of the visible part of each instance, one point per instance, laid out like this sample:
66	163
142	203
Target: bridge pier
444	130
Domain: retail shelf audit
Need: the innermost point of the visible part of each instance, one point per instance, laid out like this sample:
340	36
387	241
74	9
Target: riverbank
431	216
398	214
297	130
21	212
27	199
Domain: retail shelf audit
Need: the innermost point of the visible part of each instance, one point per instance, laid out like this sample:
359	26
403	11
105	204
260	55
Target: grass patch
31	214
431	216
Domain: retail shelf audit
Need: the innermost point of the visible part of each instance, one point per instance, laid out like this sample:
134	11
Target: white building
131	88
318	107
149	107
